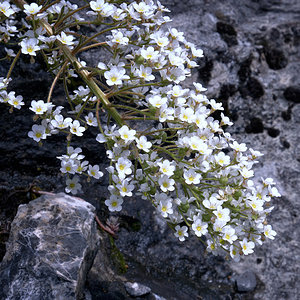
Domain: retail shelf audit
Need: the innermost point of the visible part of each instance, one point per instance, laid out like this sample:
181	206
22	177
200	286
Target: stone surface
251	64
136	289
246	282
52	244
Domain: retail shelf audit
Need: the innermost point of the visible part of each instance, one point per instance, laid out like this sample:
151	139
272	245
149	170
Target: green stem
13	64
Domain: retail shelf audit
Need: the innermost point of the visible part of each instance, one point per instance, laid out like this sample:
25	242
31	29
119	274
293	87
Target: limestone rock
52	244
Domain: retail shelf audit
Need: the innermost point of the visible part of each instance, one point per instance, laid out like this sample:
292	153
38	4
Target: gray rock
52	244
246	282
136	289
157	297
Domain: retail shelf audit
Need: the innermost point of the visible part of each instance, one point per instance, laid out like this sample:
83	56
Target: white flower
199	227
114	203
10	52
97	5
100	6
212	203
200	120
39	107
73	185
199	145
229	234
68	166
165	207
226	120
76	129
38	132
238	147
222	214
101	138
247	247
191	177
175	60
159	38
149	53
115	76
215	105
181	232
32	9
60	122
125	188
65	39
246	173
197	52
119	38
16	102
166	167
30	46
91	120
6	9
94	171
166	183
127	134
269	232
81	167
199	87
218	225
176	74
166	113
187	115
157	101
143	144
145	73
234	253
256	204
222	159
123	167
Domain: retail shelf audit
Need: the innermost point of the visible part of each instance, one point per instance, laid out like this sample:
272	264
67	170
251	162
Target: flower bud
223	180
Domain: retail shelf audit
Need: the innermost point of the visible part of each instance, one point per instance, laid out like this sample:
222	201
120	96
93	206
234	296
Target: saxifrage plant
161	139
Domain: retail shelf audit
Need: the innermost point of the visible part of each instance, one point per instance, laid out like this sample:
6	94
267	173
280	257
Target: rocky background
251	64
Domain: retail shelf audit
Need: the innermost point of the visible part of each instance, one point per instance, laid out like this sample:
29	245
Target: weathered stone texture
52	244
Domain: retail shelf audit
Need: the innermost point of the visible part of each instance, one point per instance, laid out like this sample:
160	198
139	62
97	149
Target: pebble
136	289
246	282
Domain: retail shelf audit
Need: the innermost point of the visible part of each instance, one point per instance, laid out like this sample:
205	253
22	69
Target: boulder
52	245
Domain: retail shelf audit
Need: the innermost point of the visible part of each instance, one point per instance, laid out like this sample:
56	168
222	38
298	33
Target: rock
246	282
157	297
256	126
292	93
227	32
276	59
257	83
136	289
273	132
52	244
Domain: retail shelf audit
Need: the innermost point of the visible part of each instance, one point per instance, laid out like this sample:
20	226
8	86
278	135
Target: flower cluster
166	145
